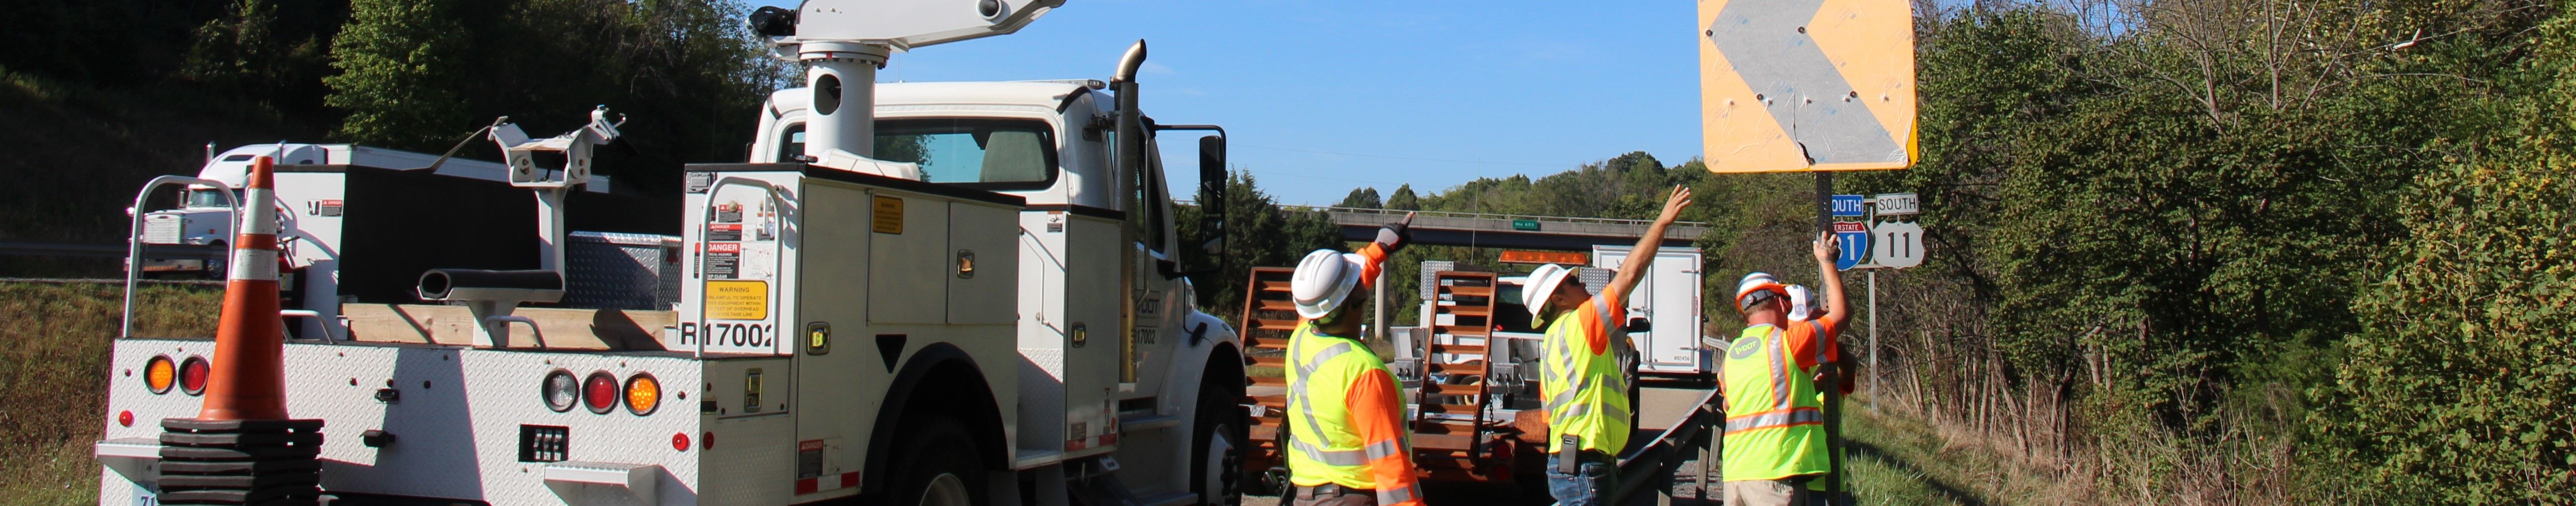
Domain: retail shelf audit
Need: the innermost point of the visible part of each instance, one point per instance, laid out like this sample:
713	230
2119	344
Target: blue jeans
1595	477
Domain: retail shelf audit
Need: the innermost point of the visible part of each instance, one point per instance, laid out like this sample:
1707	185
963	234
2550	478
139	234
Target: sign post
1900	245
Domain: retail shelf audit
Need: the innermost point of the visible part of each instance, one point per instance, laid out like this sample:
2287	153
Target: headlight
192	375
159	374
561	391
643	393
599	391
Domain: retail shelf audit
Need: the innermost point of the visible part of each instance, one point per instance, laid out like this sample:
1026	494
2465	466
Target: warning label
738	300
889	215
732	232
730	212
724	260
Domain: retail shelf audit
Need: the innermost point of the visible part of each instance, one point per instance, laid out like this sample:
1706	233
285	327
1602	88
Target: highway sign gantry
1807	85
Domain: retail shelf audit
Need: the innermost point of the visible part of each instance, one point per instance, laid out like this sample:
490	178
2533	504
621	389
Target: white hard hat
1798	307
1542	284
1323	280
1753	283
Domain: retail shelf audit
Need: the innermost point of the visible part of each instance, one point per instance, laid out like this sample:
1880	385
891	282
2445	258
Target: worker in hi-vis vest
1774	438
1581	377
1346	434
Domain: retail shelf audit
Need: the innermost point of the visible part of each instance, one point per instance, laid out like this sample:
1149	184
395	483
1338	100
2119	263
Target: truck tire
1217	445
214	265
938	465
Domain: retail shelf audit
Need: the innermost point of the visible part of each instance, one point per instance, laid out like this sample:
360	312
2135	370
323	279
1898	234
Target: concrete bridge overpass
1559	233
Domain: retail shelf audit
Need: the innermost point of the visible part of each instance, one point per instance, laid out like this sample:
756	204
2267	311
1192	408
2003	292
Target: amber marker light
159	374
643	394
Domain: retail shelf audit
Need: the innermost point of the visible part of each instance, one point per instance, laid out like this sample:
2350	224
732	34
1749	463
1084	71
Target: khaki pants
1767	493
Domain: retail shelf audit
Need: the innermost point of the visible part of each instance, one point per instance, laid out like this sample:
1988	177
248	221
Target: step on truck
917	293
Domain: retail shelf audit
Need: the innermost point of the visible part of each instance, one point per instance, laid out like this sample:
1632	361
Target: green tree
1404	199
1257	234
1364	198
401	65
2458	389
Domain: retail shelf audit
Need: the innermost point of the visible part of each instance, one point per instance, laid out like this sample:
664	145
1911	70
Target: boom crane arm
844	42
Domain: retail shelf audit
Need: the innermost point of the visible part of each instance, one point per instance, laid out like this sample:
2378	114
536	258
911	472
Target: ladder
1449	432
1269	317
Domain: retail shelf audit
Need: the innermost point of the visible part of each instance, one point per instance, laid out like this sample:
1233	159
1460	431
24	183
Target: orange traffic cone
247	380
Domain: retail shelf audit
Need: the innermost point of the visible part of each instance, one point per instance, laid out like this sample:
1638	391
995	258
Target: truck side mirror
1637	325
1212	191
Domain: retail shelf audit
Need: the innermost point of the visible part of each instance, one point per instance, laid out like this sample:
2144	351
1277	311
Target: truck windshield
210	198
1509	314
991	154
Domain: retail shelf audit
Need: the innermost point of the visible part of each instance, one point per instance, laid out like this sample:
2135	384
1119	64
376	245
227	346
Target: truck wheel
1216	450
939	467
215	264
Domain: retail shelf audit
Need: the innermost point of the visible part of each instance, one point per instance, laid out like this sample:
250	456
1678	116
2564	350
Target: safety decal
889	215
738	300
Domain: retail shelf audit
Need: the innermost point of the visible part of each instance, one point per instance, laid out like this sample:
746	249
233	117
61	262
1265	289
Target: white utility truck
921	293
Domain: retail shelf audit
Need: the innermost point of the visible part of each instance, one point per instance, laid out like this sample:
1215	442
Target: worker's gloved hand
1393	236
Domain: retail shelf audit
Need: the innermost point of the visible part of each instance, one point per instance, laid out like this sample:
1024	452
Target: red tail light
192	375
599	392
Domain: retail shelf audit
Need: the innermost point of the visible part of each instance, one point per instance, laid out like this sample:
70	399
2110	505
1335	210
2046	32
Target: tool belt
1332	490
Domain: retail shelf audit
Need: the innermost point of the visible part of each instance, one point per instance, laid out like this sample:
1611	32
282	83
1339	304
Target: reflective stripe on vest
1774	423
1326	449
1587	395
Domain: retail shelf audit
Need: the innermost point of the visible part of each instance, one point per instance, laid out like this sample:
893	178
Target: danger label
724	260
738	300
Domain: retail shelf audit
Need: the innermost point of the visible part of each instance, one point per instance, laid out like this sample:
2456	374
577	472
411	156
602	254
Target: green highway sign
1524	224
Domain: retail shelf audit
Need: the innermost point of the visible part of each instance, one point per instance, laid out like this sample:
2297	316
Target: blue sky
1321	97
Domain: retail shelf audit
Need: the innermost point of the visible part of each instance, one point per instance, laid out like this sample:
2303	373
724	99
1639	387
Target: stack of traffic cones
241	449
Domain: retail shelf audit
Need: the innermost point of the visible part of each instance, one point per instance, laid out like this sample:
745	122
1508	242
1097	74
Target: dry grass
1896	458
53	377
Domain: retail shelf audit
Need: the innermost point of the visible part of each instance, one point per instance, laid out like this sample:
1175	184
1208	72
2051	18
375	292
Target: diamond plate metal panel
456	419
606	270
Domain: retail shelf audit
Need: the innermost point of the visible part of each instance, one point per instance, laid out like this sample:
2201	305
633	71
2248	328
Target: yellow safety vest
1774	420
1587	395
1324	448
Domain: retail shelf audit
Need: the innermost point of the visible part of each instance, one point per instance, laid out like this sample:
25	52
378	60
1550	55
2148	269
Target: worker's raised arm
1644	254
1837	310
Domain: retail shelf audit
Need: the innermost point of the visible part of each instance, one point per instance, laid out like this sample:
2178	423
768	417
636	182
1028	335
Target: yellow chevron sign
1807	85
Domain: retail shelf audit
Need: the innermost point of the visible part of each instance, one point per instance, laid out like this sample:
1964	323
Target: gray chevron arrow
1766	42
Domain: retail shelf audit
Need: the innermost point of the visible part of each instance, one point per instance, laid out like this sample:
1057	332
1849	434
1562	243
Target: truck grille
161	228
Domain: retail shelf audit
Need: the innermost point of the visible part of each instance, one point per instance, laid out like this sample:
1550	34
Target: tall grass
54	342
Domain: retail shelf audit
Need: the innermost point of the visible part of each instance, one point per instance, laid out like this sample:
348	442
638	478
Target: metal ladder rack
1449	433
